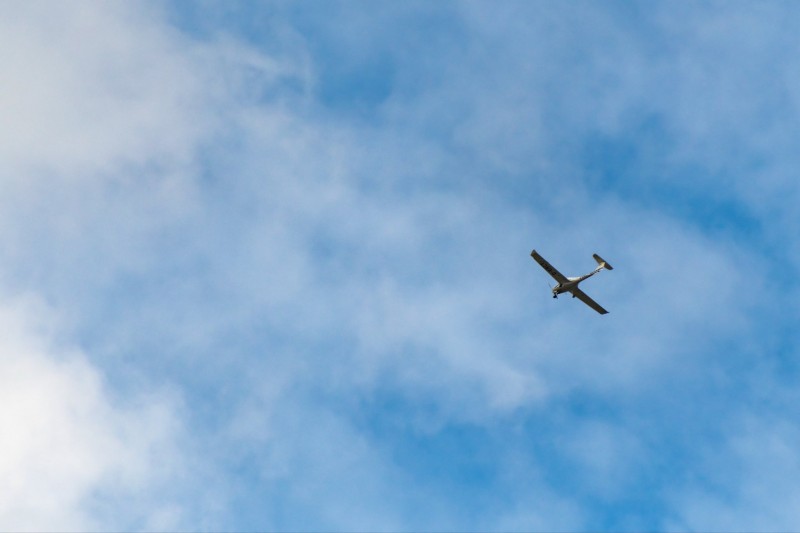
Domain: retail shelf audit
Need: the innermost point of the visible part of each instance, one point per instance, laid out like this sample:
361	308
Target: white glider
566	284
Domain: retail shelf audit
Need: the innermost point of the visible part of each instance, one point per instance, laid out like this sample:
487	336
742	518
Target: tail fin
602	263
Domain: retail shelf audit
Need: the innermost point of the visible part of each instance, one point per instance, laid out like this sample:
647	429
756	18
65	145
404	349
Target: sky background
265	266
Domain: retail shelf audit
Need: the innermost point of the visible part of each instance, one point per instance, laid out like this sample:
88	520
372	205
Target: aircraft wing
558	276
588	301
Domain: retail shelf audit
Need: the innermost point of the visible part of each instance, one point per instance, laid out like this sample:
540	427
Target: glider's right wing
588	301
558	276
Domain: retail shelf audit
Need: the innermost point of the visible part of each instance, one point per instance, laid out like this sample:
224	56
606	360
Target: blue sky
265	266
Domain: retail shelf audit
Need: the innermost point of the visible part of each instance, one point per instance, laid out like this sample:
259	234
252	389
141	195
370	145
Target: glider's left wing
588	301
559	277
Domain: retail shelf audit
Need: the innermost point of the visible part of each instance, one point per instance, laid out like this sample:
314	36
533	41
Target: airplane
566	284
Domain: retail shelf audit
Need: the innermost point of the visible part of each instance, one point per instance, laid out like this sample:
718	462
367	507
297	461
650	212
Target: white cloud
65	440
104	107
93	85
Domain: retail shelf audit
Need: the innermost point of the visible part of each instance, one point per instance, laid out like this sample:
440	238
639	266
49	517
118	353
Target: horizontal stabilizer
601	262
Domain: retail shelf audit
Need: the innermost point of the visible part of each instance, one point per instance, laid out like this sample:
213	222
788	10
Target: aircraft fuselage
571	283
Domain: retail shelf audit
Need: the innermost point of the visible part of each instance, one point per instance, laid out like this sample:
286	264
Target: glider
566	284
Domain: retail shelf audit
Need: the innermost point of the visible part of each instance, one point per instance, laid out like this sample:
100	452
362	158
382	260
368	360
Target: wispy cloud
299	256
